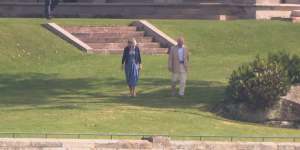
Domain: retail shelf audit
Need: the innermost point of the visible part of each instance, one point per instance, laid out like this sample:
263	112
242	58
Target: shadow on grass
35	89
38	89
156	93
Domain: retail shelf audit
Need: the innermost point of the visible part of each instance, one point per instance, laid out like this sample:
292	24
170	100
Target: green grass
47	85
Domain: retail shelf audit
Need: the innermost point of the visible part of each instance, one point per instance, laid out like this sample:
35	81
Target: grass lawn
47	85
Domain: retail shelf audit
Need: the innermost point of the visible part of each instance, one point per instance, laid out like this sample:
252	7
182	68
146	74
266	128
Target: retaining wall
151	10
69	144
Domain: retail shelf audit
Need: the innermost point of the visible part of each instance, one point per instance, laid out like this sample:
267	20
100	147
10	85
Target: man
178	66
49	7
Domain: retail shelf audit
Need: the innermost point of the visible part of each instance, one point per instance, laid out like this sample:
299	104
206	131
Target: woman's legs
132	91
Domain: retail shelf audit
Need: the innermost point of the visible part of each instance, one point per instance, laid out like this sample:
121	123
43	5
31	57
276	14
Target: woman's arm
139	59
170	60
123	59
139	56
124	56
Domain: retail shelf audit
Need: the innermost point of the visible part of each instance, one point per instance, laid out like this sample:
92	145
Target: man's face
180	42
130	44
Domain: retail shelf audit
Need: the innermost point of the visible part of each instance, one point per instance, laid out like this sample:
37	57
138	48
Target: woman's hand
141	67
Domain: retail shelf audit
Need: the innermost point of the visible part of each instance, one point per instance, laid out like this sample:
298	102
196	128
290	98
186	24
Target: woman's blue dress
132	69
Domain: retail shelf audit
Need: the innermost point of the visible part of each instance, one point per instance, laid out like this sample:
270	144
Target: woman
132	62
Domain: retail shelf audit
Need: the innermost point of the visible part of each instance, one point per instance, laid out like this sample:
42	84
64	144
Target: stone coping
143	25
157	34
68	36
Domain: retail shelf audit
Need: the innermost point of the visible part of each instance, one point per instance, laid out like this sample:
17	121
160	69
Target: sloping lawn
47	85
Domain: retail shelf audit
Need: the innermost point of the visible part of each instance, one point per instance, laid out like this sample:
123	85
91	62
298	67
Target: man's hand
140	67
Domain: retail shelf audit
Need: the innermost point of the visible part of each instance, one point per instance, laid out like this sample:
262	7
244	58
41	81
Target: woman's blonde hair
132	41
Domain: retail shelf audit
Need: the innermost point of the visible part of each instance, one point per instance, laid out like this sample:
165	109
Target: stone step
110	35
114	40
143	51
122	45
86	29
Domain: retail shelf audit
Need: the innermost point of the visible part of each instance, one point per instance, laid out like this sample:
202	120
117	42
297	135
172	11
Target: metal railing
115	136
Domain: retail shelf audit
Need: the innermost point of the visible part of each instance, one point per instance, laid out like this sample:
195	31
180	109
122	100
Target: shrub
259	83
291	63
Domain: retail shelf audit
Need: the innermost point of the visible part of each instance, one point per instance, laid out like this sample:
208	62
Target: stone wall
292	1
273	11
145	11
148	11
170	1
159	9
156	144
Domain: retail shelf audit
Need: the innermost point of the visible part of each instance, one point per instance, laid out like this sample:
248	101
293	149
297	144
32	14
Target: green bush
291	63
259	83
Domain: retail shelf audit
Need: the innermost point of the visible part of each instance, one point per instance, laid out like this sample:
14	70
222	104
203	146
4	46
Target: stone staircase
113	39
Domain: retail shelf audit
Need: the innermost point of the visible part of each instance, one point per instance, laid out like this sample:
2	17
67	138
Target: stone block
108	145
131	145
185	145
239	1
296	19
124	145
268	1
247	146
223	146
54	148
91	1
295	16
46	144
267	146
14	144
295	13
292	1
297	147
286	146
159	142
168	1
